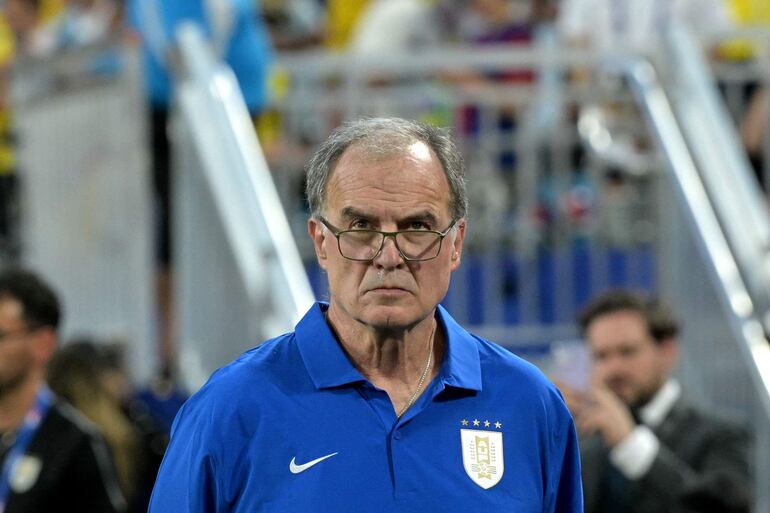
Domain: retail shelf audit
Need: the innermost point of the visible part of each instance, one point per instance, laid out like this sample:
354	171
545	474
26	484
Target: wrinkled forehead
410	174
384	146
378	151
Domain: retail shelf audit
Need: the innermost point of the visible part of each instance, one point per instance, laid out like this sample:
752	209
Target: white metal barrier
239	276
85	193
715	262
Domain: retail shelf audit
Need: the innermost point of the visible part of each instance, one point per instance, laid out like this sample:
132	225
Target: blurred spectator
153	433
233	27
25	31
240	37
8	184
74	374
162	400
294	24
494	23
499	21
341	19
755	95
92	379
394	26
754	131
85	22
607	25
52	458
33	37
644	444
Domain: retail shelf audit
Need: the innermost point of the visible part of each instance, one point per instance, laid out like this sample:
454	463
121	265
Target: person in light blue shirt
237	35
378	401
236	31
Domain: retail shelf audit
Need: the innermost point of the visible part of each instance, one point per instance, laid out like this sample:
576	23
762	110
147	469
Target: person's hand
574	398
605	414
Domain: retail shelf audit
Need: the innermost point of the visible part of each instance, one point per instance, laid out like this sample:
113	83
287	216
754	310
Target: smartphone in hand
570	365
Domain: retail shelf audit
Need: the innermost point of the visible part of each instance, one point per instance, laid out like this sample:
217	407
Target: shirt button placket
400	473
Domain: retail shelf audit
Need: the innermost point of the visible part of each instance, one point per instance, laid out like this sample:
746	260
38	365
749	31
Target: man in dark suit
643	444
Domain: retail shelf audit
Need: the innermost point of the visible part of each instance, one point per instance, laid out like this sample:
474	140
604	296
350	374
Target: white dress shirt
634	455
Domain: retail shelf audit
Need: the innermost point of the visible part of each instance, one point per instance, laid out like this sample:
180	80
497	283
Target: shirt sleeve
185	482
634	455
566	495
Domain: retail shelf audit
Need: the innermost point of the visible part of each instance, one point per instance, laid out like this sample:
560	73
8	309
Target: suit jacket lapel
672	423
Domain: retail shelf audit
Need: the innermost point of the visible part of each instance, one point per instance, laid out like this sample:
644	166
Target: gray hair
381	137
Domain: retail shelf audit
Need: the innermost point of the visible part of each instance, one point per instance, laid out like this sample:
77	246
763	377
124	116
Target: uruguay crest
483	456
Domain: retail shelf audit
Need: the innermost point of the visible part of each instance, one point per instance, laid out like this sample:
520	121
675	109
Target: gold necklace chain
424	375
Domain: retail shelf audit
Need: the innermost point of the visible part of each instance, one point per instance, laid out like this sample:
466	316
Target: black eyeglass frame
337	233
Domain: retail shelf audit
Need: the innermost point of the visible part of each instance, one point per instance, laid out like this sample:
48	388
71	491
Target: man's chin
390	316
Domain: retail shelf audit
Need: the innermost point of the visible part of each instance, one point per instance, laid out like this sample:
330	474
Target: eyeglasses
365	245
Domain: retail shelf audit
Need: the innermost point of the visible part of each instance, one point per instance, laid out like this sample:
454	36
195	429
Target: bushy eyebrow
425	217
354	213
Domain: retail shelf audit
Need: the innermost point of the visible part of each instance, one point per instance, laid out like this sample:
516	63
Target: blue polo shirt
292	426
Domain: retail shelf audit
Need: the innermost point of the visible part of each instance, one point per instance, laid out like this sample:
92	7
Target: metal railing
725	339
86	222
239	278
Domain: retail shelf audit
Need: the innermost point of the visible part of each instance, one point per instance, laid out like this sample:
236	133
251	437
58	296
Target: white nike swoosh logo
296	469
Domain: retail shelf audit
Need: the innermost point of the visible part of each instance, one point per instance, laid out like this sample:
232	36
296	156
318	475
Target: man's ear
44	343
669	351
457	243
318	232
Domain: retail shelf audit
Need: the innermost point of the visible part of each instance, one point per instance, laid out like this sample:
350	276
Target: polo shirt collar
326	362
328	365
462	365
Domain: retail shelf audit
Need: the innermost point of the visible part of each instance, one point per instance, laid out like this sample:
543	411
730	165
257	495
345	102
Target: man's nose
613	367
389	255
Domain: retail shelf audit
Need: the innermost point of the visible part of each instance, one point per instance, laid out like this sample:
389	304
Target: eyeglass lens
365	244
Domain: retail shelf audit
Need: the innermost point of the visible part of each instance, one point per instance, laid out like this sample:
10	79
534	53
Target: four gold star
487	423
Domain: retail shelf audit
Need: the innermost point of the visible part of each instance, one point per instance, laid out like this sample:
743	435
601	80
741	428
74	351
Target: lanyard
26	433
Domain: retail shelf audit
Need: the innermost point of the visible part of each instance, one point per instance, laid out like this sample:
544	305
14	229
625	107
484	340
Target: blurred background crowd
564	172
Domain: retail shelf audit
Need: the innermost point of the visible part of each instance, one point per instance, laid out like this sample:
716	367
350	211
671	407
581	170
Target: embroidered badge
483	453
25	473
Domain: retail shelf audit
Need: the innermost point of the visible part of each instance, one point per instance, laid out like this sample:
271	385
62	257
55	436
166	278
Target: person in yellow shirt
46	11
752	14
341	19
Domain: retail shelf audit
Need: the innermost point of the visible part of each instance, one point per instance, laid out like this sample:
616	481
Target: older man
377	401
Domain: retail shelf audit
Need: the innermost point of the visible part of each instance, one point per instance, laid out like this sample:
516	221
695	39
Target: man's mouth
388	290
